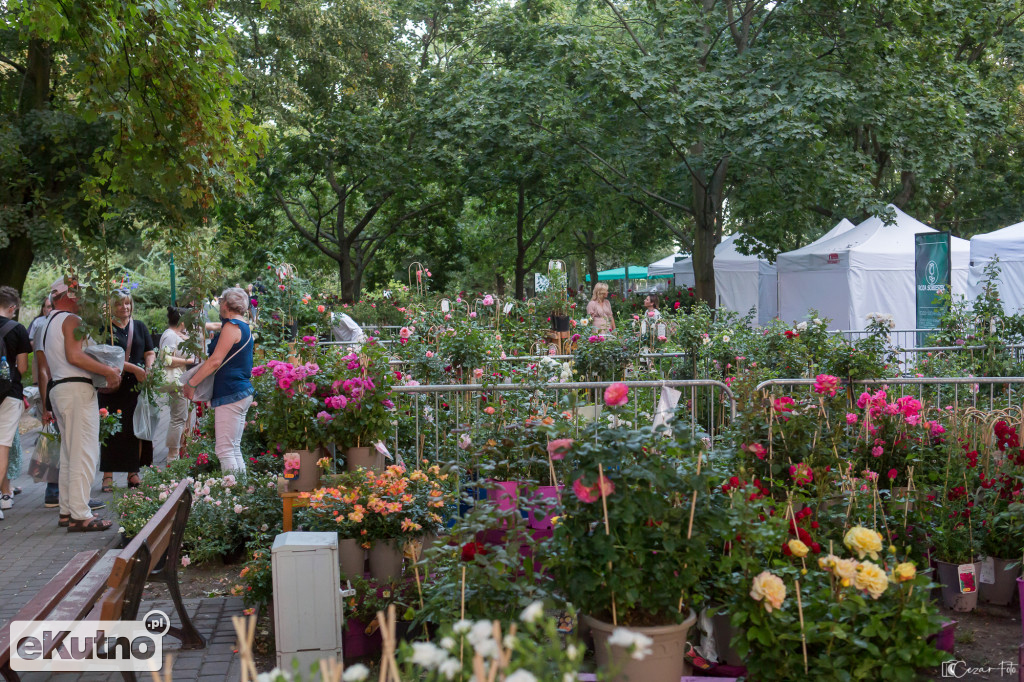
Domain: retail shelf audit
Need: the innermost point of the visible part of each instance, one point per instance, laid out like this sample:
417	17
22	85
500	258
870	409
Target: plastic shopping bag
44	467
146	416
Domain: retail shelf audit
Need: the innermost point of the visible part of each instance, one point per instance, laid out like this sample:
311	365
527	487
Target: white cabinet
307	598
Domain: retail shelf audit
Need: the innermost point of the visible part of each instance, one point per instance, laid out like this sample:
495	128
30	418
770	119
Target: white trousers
178	408
78	416
229	423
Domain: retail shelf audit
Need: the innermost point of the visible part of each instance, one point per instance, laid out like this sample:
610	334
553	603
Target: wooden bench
110	588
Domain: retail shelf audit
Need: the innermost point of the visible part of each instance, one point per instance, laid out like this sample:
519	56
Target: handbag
204	390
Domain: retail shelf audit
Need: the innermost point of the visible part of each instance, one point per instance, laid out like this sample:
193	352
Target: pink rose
590	494
488	410
558	447
320	309
616	395
877	451
851	418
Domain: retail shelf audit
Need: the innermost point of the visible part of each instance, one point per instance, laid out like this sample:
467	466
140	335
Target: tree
354	163
778	114
110	103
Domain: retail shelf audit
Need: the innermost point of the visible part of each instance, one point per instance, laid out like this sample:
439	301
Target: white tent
663	267
869	268
741	282
1008	244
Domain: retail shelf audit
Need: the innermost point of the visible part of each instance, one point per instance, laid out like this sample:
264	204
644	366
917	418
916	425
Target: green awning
635	272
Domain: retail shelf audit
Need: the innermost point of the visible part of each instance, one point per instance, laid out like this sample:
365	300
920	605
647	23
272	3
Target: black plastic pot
560	323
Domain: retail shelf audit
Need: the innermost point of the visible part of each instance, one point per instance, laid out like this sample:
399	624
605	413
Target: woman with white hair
230	363
123	451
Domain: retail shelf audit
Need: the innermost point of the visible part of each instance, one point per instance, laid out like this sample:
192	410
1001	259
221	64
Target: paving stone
35	549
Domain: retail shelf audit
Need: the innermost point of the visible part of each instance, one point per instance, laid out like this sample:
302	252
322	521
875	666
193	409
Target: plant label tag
988	571
507	308
445	306
382	449
968	584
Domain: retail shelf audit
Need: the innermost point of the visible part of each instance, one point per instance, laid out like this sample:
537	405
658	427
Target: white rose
355	673
725	339
532	612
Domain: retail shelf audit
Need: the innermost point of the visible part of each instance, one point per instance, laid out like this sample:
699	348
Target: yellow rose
863	541
770	588
798	548
826	563
845	569
904	572
871	578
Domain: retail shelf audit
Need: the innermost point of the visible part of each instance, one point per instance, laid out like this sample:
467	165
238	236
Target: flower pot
902	498
952	598
560	323
386	560
364	458
309	472
505	494
945	639
721	625
544	492
351	558
356	643
1000	593
1020	599
666	663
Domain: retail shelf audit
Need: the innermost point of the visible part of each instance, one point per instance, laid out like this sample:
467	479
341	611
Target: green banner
932	278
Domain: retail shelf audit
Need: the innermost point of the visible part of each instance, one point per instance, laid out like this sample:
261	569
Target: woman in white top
600	309
651	305
175	361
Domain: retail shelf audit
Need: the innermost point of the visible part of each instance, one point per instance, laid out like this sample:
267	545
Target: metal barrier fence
935	389
711	405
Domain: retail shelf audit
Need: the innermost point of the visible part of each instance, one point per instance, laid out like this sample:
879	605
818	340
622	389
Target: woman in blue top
230	362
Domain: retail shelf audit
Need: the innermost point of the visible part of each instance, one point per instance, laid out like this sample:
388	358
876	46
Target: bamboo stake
607	531
803	636
245	628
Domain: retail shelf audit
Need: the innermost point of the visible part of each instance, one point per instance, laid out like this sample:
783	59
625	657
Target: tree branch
17	67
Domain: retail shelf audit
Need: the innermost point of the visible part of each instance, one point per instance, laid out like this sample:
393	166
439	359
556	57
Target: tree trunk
591	248
17	258
520	243
345	280
707	210
499	285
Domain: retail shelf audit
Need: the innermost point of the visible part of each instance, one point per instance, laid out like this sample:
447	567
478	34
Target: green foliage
601	358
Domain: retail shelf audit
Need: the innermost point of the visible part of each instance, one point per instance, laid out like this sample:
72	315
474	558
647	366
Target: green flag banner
932	278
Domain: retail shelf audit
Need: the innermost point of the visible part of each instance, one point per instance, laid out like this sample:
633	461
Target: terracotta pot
309	473
1001	592
386	559
351	558
902	498
364	458
666	663
952	598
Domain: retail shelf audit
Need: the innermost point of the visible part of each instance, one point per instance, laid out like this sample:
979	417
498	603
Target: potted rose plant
287	405
356	407
1003	516
628	555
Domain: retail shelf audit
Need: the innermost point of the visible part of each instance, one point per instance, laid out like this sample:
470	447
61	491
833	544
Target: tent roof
663	266
729	259
635	272
871	245
1007	243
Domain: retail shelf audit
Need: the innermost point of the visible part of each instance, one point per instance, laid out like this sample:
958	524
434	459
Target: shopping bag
146	416
44	467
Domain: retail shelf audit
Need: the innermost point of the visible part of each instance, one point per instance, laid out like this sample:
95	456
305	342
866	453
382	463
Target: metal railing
928	387
710	404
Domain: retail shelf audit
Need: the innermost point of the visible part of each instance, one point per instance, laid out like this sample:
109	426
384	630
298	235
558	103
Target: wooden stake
803	636
245	628
607	531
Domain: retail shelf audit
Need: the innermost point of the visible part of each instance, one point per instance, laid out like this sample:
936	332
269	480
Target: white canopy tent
741	282
869	268
663	267
1008	244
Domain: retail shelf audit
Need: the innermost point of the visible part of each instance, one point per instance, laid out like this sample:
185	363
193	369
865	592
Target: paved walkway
33	549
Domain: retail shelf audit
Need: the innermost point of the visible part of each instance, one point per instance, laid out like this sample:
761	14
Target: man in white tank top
75	409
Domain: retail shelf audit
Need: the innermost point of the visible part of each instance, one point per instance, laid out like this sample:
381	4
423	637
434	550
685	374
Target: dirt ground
987	641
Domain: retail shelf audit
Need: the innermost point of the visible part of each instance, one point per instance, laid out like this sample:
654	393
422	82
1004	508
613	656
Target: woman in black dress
125	452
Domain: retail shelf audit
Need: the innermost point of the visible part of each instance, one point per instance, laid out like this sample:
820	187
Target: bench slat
81	599
158	528
47	598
